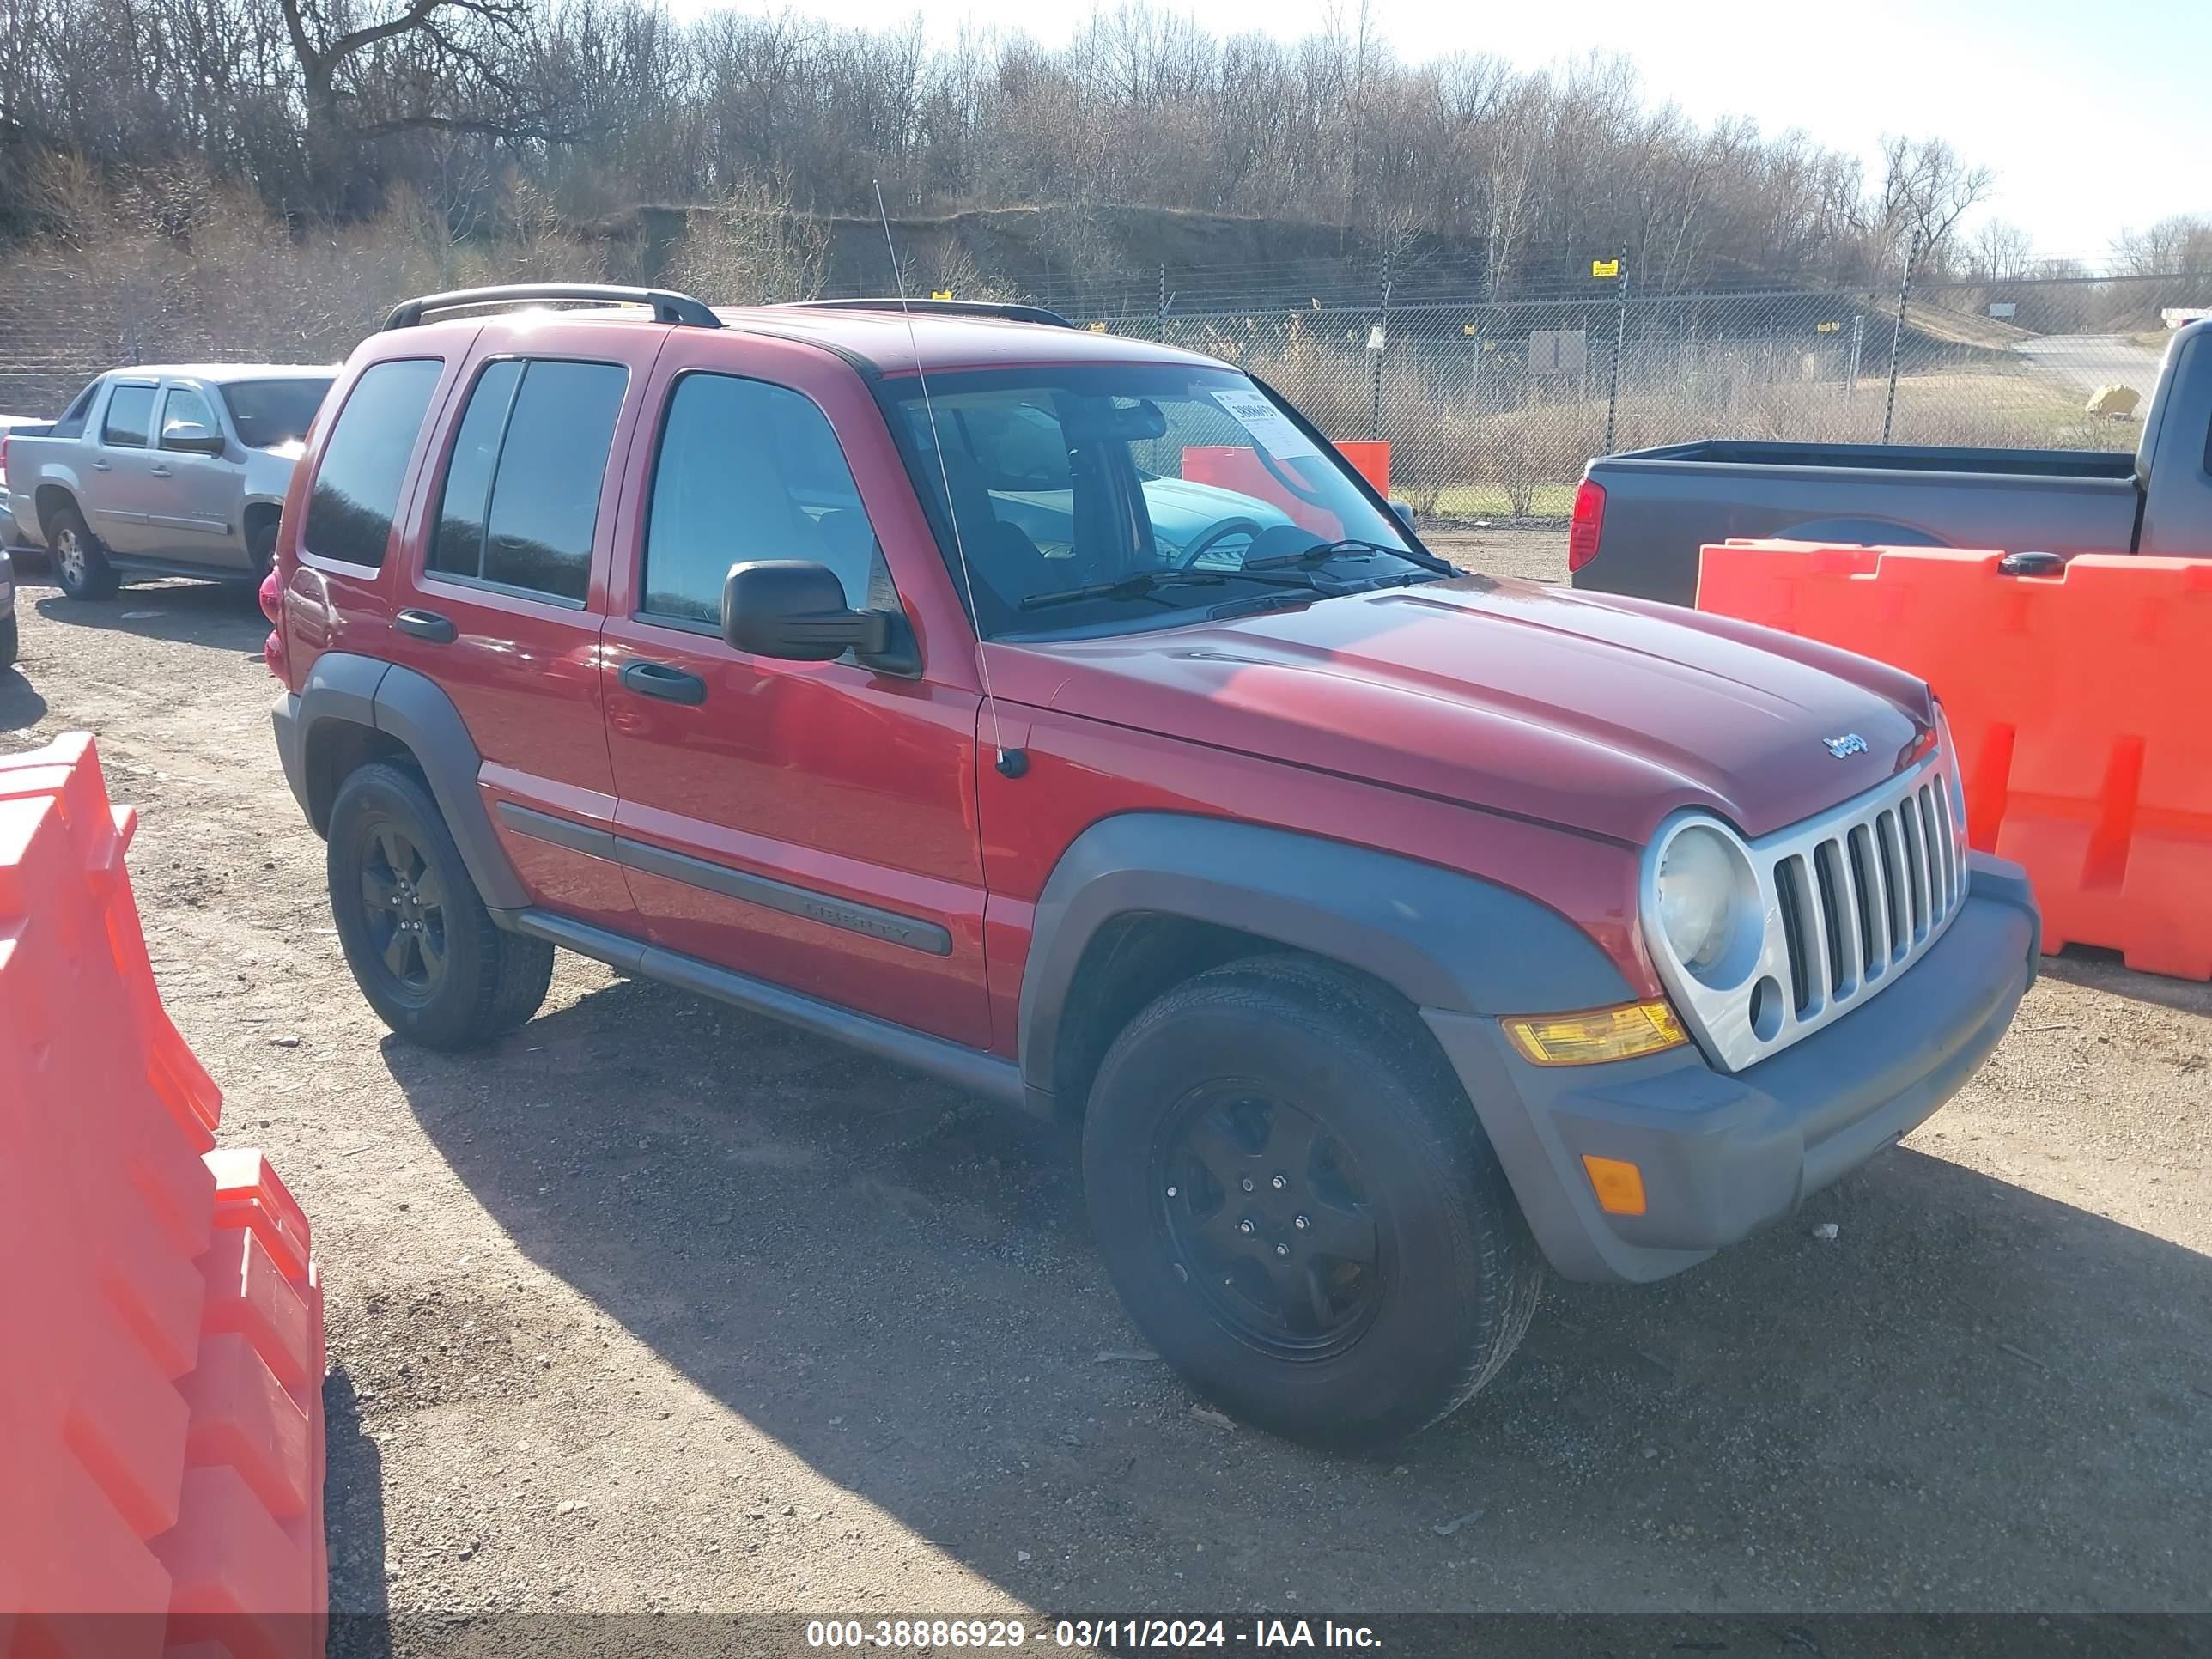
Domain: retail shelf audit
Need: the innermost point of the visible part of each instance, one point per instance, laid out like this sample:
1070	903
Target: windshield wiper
1143	584
1138	586
1323	552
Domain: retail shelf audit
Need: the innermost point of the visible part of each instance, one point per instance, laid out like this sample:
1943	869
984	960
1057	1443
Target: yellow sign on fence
1829	327
1605	267
941	293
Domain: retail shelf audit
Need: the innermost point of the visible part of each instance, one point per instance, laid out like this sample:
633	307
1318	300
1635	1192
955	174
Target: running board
986	1074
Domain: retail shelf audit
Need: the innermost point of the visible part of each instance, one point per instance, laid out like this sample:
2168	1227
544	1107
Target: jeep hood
1594	713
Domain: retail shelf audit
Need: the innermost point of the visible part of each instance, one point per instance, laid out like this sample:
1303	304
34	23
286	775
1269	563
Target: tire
427	957
261	546
1215	1078
81	565
10	642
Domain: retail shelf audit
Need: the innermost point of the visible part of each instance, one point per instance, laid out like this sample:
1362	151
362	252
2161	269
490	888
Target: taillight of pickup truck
1587	524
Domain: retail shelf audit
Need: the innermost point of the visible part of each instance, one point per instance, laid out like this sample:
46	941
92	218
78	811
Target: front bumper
1724	1154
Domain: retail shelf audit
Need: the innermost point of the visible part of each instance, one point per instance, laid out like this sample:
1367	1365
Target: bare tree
1925	191
2181	246
2000	251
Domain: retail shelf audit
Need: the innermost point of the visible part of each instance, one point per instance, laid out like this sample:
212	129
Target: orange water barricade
2076	700
1239	468
1370	458
160	1320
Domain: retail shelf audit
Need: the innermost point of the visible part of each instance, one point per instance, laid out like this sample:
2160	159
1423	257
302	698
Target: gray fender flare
1440	937
409	707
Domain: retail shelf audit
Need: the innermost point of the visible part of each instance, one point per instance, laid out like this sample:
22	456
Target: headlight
1700	893
1955	779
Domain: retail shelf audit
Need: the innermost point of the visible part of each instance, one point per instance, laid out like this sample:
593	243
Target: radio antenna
1011	762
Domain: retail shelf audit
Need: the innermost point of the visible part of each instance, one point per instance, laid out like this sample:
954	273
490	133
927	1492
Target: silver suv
163	472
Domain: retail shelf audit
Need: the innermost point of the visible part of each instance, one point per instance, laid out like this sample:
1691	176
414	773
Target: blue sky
2096	114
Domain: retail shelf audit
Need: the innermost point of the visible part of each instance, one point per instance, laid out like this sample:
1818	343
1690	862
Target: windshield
268	413
1113	497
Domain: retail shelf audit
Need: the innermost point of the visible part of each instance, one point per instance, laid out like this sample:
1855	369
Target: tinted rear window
364	464
522	492
130	416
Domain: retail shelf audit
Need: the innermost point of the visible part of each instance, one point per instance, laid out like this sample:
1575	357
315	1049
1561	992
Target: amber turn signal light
1618	1183
1600	1034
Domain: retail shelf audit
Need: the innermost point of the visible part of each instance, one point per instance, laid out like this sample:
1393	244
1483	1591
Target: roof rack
1008	312
667	307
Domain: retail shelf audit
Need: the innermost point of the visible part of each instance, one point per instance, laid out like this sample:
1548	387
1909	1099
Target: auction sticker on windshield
1266	423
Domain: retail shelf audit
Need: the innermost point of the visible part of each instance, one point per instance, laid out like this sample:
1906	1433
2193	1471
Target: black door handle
427	625
658	679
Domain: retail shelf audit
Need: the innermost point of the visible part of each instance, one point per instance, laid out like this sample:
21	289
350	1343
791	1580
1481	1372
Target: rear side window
130	414
71	424
522	491
364	464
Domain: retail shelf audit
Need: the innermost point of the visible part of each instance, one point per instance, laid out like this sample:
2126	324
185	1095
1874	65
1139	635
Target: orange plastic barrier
1228	467
162	1318
1370	457
2076	701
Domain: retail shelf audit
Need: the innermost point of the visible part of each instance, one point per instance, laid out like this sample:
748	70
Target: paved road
2089	361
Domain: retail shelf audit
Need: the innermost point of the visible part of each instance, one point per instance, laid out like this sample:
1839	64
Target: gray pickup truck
173	471
1640	518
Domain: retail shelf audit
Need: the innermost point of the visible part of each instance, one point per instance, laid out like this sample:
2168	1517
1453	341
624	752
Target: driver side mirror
1403	514
794	609
193	438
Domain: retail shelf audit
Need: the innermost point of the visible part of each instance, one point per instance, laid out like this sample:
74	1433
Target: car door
120	487
811	825
507	566
192	496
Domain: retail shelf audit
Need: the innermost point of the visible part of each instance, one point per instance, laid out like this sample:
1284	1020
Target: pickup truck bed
1641	517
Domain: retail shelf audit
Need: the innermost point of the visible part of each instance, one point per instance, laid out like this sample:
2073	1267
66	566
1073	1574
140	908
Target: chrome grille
1865	896
1846	901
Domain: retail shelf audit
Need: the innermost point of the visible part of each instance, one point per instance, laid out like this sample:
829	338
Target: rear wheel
1299	1207
10	642
80	565
422	947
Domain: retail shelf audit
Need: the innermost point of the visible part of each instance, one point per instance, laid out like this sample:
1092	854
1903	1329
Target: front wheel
10	642
1299	1207
423	948
81	565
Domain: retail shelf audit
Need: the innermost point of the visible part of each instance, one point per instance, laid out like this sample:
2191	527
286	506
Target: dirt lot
659	1306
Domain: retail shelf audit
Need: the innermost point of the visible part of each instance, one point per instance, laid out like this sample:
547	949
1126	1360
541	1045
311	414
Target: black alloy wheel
1266	1215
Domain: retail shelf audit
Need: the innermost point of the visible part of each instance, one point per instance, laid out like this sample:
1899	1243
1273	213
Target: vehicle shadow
1972	1397
21	705
2100	969
223	615
353	1525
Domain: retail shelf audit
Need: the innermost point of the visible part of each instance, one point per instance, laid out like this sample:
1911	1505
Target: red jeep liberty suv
1057	714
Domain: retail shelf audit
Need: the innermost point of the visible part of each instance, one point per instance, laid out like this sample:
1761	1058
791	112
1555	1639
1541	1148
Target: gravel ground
715	1318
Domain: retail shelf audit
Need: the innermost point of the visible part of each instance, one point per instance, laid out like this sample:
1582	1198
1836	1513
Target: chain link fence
1490	408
